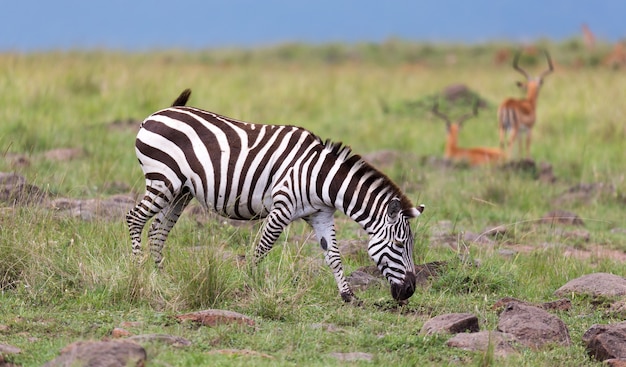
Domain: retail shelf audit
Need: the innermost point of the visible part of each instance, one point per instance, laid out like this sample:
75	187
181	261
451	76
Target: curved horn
550	66
516	67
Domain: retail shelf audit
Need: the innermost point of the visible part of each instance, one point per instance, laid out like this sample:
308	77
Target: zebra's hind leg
137	218
163	224
156	197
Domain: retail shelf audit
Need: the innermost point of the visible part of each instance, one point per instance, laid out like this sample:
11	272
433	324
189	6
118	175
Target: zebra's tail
183	98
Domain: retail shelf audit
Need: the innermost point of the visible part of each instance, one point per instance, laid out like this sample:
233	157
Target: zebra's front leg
324	227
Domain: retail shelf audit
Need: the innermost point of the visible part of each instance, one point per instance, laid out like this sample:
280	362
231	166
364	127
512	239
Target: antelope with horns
519	115
474	156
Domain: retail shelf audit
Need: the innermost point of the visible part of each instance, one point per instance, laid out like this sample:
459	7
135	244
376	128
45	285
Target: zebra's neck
358	190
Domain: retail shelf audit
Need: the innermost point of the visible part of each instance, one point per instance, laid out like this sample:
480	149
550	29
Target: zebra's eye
398	242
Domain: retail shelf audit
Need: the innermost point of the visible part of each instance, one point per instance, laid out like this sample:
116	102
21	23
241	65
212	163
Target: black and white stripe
282	173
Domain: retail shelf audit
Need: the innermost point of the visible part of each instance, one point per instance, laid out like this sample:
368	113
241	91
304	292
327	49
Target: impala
474	156
519	115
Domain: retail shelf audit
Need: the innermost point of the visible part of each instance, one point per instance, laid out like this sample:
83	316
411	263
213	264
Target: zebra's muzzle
402	291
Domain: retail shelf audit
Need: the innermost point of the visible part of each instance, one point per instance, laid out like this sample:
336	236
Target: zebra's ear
414	212
393	209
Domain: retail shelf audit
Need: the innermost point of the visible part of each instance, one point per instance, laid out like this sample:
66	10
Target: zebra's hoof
349	297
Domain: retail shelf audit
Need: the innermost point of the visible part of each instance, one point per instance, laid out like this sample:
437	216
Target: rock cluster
524	325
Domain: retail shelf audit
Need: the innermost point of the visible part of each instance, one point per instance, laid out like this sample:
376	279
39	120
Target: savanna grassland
64	279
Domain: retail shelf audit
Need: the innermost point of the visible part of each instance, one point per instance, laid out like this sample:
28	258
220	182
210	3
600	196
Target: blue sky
28	25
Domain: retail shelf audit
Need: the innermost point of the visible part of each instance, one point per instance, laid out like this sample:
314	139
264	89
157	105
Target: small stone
213	317
606	341
451	323
563	304
497	231
562	217
533	326
100	353
618	308
615	362
503	344
577	234
119	333
9	349
360	280
595	284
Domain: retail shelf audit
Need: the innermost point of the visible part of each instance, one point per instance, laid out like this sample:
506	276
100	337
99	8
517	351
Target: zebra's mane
344	153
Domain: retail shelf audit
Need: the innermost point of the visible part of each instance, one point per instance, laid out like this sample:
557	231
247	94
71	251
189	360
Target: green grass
63	280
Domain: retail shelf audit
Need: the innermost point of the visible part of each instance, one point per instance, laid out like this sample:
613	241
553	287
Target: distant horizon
142	25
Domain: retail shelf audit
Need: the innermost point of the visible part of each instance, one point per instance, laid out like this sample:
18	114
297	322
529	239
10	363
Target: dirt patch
124	124
584	194
64	154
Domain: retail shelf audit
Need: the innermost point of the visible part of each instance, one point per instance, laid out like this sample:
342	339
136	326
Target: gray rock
606	341
496	231
361	280
9	349
596	284
424	273
112	208
615	362
618	308
503	344
533	326
15	191
100	354
562	217
451	323
584	193
577	234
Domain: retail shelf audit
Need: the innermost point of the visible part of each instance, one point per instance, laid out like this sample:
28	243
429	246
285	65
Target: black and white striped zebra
282	173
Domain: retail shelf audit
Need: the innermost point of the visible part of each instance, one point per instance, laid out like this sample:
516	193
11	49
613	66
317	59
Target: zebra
279	173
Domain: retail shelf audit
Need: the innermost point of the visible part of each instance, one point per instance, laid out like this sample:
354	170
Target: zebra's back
229	165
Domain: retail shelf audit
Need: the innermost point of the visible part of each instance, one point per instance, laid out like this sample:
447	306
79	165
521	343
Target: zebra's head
391	248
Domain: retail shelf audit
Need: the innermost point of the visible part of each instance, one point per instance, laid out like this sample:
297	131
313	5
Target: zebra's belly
238	206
